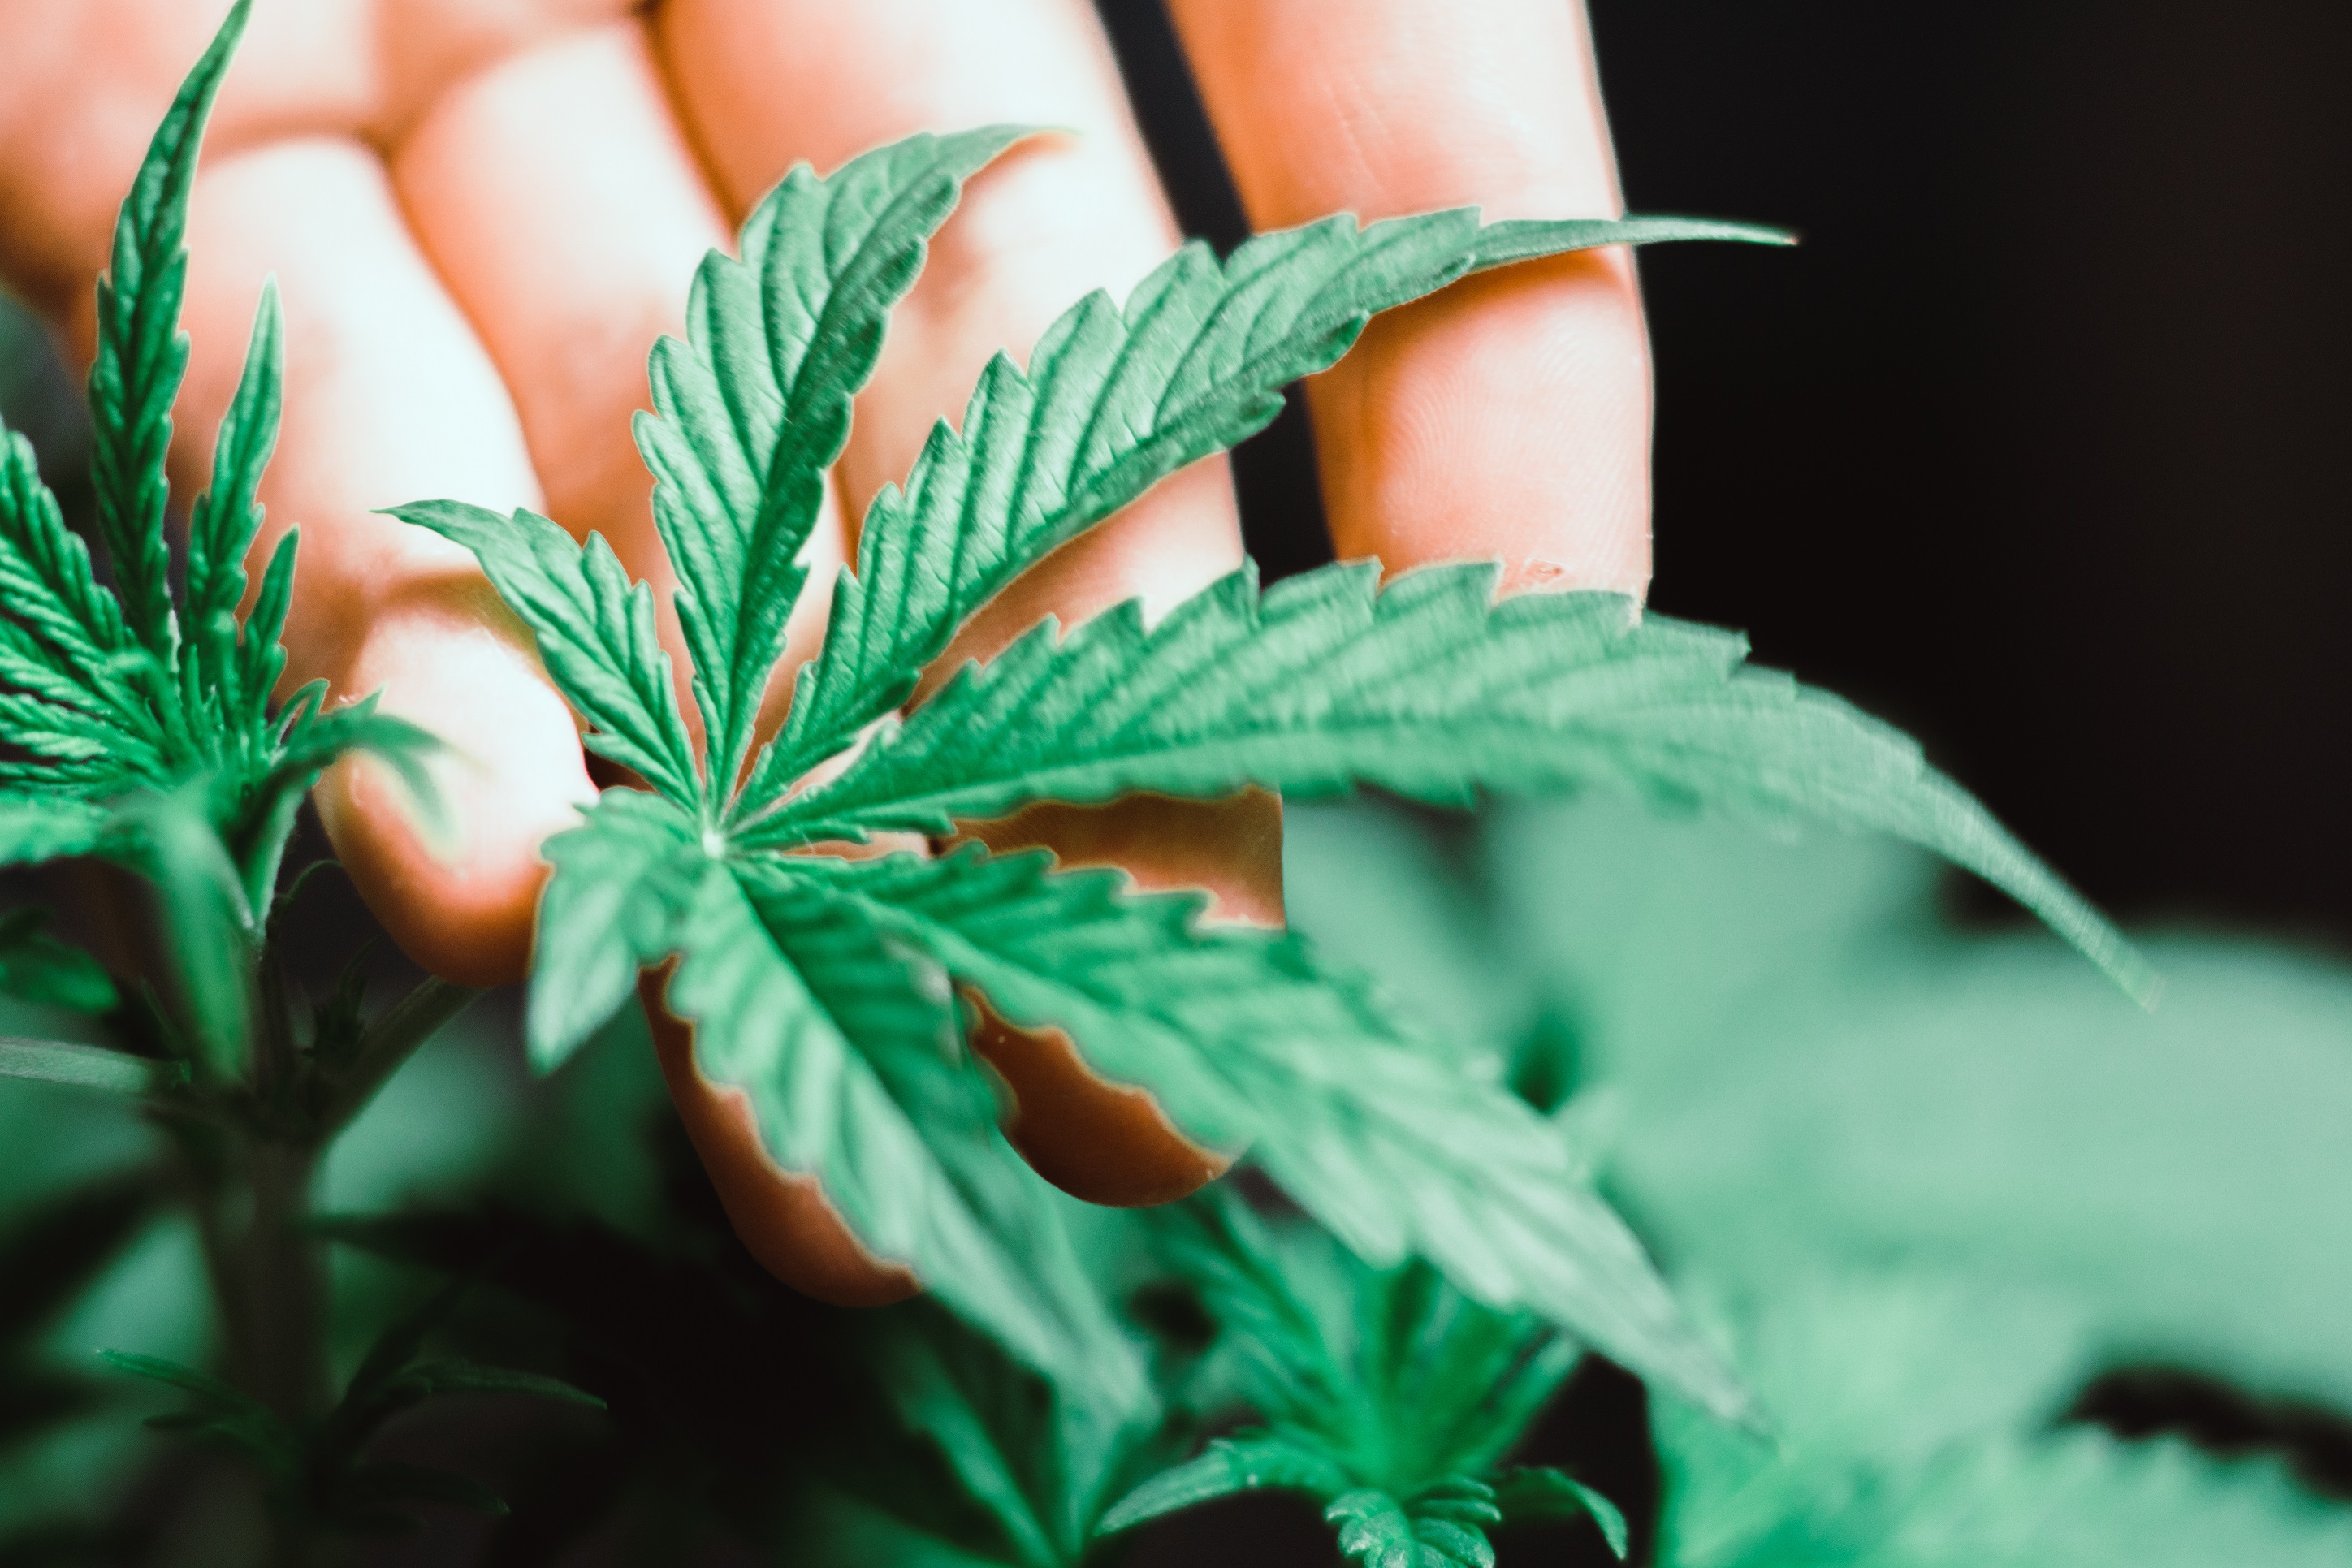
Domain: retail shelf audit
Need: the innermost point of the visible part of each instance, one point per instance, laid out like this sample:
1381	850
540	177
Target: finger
558	200
389	398
1508	415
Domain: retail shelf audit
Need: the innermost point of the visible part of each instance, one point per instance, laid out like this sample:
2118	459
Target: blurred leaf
86	1066
1894	1453
1808	1067
41	968
50	1256
1528	1495
1231	1465
222	1414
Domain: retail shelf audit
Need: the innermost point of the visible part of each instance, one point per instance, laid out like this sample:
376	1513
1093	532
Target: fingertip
457	895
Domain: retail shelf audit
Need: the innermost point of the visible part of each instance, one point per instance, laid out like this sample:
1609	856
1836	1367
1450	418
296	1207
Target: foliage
1885	1456
1405	1079
1389	1396
820	986
321	1473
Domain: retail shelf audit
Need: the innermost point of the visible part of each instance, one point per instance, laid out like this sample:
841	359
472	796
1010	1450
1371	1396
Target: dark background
2038	447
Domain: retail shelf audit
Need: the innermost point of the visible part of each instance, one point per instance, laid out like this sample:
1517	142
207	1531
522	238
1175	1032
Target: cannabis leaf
755	407
321	1472
142	692
1039	1463
39	967
1387	1395
1910	1442
1431	690
1112	402
818	985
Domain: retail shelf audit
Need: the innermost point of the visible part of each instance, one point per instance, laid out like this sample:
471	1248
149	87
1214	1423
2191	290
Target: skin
482	211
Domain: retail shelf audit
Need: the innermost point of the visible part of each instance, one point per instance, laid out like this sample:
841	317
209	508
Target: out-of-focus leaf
1904	1444
39	967
1526	1495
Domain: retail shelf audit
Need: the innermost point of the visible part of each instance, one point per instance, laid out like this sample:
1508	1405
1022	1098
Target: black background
2038	447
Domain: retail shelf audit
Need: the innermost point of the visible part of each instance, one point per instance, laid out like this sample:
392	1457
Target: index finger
1509	415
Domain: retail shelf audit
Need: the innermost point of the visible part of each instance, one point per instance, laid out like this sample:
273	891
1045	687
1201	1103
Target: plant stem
286	1295
389	1041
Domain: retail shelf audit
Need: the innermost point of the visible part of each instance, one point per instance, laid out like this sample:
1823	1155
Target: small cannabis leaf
1038	1462
821	986
321	1472
112	695
39	967
1387	1395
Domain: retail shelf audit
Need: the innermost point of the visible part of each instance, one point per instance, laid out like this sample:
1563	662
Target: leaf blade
849	1055
595	633
142	354
754	404
1114	401
1231	1465
1245	1043
1430	689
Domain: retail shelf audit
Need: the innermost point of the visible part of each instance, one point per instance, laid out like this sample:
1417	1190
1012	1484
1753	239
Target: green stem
286	1296
389	1041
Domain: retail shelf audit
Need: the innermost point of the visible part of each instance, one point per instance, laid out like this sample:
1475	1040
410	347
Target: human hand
481	215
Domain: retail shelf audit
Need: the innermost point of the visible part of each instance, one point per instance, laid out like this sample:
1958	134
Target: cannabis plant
1421	1255
830	990
145	733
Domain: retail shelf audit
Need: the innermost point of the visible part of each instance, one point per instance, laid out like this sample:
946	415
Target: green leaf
1379	1531
221	1412
1528	1495
310	740
848	1048
63	640
391	1040
437	1378
1392	1376
1247	1463
594	630
1245	1043
1113	402
755	405
227	519
1430	689
1895	1454
624	881
1818	1069
261	653
53	1252
142	353
2083	1500
35	828
1872	1380
85	1066
1037	1456
39	967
